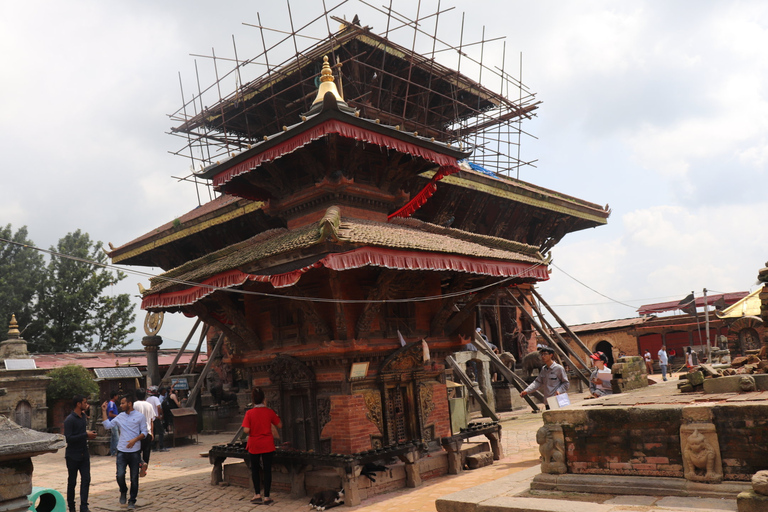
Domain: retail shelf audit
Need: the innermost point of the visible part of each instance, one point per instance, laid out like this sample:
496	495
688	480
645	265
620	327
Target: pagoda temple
346	257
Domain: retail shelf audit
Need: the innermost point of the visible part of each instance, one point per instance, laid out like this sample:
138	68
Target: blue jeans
663	371
113	440
132	461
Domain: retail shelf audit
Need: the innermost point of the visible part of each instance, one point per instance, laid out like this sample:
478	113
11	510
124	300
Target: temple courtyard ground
179	481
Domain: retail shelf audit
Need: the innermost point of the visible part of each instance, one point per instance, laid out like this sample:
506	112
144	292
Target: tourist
113	411
648	362
689	359
597	386
552	378
150	413
133	428
663	361
158	432
76	455
257	425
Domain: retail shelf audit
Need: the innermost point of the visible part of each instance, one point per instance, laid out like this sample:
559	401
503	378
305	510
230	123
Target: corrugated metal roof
661	307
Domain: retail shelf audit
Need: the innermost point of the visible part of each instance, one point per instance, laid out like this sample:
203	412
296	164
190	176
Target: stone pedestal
151	344
17	447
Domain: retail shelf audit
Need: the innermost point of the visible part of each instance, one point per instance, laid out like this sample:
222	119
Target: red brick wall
349	429
742	432
440	415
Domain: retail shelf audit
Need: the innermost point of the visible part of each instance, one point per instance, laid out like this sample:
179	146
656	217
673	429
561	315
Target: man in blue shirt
133	428
112	412
663	361
76	454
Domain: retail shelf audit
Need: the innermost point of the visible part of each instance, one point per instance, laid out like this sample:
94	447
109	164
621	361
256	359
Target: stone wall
697	442
629	373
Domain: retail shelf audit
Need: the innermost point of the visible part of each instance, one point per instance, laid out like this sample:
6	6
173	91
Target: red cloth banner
379	257
328	127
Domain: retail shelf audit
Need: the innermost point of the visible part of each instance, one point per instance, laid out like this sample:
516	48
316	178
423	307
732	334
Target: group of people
138	419
135	420
553	379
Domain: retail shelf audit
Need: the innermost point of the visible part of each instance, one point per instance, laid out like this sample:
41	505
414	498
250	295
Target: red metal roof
93	360
730	298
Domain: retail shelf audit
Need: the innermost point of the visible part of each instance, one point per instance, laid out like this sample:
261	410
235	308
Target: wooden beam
484	407
208	318
182	349
567	329
508	374
546	336
379	291
469	307
340	322
457	283
233	312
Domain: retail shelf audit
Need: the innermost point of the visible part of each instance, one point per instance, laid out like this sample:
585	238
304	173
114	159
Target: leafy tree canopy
64	305
68	381
21	273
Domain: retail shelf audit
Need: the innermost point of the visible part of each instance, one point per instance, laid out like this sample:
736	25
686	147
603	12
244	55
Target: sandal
256	501
143	470
268	501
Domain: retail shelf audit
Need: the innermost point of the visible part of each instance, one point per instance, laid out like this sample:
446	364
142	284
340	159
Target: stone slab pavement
179	480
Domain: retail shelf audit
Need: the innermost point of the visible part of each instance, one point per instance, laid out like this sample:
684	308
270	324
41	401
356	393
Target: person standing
648	362
689	359
112	412
552	378
76	455
150	413
133	428
158	432
257	425
663	361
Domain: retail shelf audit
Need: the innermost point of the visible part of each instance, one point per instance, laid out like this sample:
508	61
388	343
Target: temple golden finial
327	84
13	328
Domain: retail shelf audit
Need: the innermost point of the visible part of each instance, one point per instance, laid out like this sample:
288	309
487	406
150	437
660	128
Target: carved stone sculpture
552	449
701	453
760	482
747	383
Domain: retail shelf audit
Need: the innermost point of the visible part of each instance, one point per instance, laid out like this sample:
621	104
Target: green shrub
68	381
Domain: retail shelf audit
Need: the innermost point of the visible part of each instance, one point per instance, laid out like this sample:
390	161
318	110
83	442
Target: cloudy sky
659	109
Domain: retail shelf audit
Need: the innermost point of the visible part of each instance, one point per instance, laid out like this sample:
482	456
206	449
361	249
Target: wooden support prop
563	324
563	343
190	403
484	407
469	307
181	350
508	374
546	336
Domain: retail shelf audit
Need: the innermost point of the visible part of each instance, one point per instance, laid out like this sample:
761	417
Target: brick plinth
349	429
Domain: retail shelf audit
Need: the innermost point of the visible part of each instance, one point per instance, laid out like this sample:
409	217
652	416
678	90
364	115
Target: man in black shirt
76	454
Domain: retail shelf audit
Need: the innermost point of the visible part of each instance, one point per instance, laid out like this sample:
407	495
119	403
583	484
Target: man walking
663	361
112	411
552	378
76	455
150	413
133	428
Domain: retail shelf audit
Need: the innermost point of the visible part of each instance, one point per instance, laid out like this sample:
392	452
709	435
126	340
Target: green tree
21	273
71	303
68	381
112	321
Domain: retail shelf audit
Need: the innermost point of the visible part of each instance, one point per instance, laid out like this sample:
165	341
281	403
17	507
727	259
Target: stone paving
179	480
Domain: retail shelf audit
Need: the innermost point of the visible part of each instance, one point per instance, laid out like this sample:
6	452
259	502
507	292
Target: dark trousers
131	461
266	459
146	448
73	467
159	434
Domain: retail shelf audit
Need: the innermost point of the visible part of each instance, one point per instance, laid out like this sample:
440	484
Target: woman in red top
257	424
